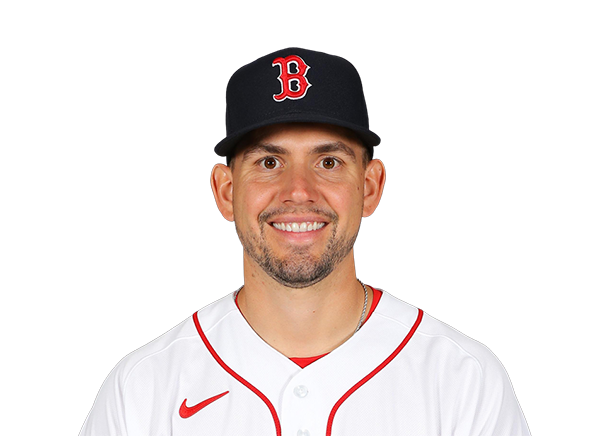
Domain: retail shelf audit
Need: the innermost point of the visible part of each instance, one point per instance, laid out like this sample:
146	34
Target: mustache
268	214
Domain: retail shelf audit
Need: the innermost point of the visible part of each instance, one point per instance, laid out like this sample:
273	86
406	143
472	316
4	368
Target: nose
298	186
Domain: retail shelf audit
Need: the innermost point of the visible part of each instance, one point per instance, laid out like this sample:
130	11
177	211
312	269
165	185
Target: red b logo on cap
287	77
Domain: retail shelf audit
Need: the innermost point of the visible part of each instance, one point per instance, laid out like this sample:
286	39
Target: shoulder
150	376
438	341
182	340
454	371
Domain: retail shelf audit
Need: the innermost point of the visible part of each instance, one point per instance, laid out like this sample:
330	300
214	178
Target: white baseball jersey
403	373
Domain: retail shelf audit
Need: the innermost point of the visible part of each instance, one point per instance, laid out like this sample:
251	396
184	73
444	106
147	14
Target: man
304	348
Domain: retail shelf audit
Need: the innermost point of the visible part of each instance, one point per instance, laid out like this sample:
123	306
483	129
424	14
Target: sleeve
107	417
492	408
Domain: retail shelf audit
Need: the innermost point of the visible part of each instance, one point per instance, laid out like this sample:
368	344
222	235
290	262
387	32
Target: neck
303	322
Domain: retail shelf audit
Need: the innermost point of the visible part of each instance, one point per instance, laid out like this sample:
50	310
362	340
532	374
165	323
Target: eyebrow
329	147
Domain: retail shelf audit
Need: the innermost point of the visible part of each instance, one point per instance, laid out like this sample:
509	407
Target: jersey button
303	433
301	392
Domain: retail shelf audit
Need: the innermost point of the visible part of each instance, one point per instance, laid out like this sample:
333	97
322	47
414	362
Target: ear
374	182
221	182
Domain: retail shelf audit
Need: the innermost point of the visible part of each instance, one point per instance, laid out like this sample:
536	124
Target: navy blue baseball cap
295	85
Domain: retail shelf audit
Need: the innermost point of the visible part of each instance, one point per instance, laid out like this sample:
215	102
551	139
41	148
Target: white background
38	96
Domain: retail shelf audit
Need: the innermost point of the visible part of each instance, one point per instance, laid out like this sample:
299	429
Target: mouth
305	232
298	227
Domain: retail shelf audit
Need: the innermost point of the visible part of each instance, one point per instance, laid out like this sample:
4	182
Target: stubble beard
300	268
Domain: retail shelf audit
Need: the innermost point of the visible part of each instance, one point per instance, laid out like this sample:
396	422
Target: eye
270	163
329	163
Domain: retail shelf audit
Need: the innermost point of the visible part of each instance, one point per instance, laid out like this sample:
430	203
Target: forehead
298	136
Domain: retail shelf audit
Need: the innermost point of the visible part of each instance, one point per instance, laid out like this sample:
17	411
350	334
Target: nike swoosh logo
186	412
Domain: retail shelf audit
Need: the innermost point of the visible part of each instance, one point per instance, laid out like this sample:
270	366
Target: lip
288	219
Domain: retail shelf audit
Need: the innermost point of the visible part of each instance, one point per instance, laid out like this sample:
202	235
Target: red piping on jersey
236	376
372	373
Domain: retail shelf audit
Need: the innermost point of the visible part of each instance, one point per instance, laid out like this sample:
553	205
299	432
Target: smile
298	227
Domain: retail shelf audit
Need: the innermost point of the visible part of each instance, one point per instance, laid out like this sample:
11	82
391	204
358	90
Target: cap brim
227	145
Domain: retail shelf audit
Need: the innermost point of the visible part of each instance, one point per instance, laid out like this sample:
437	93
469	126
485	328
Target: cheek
346	199
251	199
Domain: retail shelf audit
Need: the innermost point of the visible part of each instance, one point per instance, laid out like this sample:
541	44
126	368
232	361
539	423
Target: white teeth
298	228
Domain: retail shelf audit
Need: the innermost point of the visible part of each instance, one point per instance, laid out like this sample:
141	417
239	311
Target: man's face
298	200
